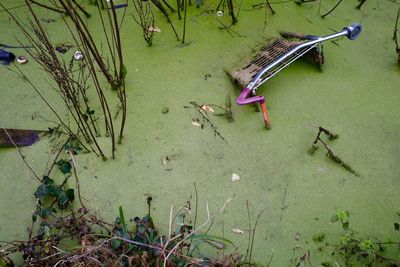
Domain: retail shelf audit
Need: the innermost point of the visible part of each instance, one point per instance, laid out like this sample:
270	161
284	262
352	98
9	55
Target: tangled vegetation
65	233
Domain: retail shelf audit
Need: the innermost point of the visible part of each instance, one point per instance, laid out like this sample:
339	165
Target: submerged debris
165	110
48	20
330	153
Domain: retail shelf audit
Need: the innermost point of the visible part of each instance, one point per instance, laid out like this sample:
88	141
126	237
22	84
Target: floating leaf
43	190
56	191
64	166
70	194
115	243
63	200
45	212
47	180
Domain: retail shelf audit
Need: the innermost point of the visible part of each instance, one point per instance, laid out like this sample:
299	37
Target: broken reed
231	10
163	10
44	53
71	89
144	17
115	75
395	34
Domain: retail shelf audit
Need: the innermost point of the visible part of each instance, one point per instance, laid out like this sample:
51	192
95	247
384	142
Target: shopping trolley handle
245	99
353	31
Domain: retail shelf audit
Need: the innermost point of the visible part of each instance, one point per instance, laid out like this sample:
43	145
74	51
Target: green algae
356	96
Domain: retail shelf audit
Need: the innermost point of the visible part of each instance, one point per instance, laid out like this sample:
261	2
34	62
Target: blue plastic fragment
119	6
6	57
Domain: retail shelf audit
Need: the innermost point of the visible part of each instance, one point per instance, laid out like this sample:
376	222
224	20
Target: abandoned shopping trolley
276	56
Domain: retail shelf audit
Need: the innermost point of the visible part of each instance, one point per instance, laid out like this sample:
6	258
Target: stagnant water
356	96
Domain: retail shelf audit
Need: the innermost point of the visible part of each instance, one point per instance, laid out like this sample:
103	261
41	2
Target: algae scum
171	141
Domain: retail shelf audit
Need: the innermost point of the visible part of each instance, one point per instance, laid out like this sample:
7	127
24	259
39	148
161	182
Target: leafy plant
356	249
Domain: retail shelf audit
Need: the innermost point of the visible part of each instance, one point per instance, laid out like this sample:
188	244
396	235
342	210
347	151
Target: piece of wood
19	137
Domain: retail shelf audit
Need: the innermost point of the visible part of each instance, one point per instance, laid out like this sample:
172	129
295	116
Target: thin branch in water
184	20
330	153
48	7
395	35
362	2
327	13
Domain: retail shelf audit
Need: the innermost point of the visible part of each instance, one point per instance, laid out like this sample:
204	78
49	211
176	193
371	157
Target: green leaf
47	180
64	166
70	194
56	191
45	212
366	245
116	243
43	190
63	200
122	219
342	215
344	240
397	227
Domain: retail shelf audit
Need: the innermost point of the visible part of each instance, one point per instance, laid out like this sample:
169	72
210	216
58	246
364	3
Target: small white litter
154	29
235	177
196	123
207	108
237	231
